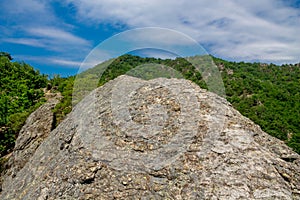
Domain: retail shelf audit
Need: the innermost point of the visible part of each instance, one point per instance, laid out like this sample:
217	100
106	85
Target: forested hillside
266	93
20	94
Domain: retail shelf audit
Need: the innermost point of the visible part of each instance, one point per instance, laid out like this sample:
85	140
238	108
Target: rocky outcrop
157	139
37	127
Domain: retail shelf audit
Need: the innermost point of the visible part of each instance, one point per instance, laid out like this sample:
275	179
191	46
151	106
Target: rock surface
37	127
158	139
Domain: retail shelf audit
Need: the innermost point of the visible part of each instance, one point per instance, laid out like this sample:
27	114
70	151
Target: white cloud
81	66
235	29
24	41
65	62
158	35
57	34
29	11
51	39
34	23
229	29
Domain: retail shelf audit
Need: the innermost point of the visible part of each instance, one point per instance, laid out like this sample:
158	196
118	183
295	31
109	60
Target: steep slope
38	126
159	139
268	94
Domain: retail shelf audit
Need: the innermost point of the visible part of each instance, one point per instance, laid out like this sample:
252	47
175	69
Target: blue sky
56	36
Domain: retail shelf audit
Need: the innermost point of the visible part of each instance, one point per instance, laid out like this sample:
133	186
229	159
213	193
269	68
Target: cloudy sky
56	36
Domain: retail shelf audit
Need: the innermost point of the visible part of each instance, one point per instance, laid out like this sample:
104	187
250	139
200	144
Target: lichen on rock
156	139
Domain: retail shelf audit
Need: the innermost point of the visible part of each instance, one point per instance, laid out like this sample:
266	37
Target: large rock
158	139
37	127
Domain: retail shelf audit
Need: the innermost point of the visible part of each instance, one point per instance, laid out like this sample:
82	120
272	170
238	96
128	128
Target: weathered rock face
158	139
37	127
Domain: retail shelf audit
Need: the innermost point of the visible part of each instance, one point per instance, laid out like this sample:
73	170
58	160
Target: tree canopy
20	94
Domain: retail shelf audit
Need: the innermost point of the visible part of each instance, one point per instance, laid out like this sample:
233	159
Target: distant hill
268	94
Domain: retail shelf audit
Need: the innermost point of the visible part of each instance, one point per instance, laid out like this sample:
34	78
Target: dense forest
268	94
20	94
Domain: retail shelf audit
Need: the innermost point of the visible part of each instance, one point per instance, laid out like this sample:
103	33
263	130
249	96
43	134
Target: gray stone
157	139
37	127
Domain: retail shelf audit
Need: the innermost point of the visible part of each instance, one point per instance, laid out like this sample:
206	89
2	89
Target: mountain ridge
266	93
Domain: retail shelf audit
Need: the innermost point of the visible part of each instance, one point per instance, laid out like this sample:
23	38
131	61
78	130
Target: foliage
65	87
149	68
20	94
5	54
268	94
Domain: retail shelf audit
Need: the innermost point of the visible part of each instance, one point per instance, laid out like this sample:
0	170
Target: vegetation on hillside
64	85
20	94
268	94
